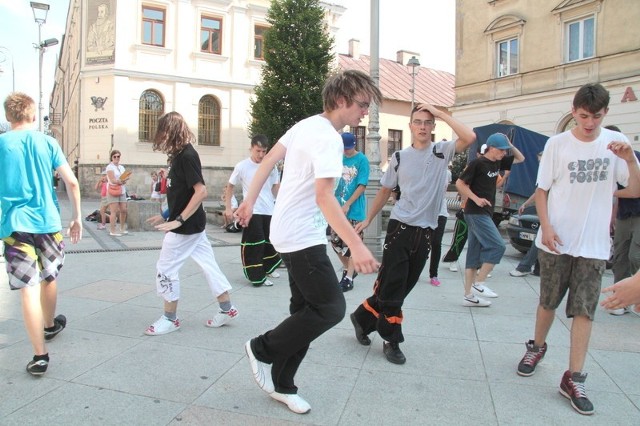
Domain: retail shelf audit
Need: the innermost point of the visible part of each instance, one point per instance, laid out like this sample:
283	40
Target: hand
361	226
481	202
345	209
521	209
623	293
228	215
430	108
550	239
168	226
155	220
75	231
363	260
243	214
622	150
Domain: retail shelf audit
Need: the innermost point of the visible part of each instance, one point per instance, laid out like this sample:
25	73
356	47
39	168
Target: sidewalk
461	362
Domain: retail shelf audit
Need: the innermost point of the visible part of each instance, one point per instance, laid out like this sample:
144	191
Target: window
258	42
208	121
150	109
580	36
211	35
360	133
153	23
507	55
394	142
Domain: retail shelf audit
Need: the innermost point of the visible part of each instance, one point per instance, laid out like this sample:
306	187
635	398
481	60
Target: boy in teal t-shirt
350	195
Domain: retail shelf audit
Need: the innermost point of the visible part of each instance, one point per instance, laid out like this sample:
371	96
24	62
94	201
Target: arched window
150	109
208	121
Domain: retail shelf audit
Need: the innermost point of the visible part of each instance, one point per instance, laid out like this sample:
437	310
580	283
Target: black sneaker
59	323
346	284
393	353
37	368
572	388
531	358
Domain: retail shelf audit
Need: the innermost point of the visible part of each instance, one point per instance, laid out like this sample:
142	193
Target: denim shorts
581	276
484	243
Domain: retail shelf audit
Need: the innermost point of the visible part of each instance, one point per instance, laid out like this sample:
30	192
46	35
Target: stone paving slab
460	369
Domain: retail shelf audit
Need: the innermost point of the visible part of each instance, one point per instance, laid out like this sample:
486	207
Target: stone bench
138	212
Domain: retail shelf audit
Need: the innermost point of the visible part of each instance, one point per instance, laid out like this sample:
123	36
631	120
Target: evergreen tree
298	61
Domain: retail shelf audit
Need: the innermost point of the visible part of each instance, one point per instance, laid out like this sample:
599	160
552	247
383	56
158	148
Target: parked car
522	229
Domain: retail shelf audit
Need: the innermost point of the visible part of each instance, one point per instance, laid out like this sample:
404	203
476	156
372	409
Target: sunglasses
116	156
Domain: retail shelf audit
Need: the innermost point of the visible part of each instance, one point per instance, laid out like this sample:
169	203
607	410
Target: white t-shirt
243	173
581	178
314	151
117	171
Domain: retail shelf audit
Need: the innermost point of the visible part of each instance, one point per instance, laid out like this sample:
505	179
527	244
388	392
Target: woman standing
117	199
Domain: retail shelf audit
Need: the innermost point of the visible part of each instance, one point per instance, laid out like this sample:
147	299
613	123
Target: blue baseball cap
349	140
498	140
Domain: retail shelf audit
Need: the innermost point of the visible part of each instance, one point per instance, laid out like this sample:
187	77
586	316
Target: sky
426	27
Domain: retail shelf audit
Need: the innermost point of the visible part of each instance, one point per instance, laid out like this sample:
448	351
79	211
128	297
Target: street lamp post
13	69
40	12
414	64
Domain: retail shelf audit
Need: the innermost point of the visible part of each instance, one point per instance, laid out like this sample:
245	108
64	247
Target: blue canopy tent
522	180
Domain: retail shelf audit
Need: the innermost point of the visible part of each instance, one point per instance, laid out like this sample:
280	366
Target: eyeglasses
363	105
421	123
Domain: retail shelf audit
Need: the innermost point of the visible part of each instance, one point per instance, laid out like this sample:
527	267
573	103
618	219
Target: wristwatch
180	219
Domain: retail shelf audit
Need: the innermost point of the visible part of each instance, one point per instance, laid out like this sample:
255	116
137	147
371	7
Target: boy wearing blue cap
485	245
350	195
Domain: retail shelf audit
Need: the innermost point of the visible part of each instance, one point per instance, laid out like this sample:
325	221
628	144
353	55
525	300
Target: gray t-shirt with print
420	176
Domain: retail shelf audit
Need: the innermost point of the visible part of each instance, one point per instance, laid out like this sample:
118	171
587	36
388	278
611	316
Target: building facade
522	61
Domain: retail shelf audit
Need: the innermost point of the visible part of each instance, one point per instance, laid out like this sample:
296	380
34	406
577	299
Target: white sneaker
293	401
261	371
516	273
267	283
274	274
618	312
162	326
222	318
453	266
474	301
483	290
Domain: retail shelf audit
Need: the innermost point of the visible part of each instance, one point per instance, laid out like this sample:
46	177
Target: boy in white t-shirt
576	182
259	258
313	151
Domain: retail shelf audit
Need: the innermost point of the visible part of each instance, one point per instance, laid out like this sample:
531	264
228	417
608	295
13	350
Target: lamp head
40	12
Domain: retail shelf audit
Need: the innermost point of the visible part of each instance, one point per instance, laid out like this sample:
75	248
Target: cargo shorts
580	276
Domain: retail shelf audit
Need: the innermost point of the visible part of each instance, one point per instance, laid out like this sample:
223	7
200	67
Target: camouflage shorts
33	258
338	245
581	276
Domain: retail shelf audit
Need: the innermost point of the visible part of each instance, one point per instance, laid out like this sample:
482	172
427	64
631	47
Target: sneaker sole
566	395
155	333
475	305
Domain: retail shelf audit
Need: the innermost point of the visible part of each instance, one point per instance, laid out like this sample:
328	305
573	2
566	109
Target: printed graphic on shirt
349	175
586	171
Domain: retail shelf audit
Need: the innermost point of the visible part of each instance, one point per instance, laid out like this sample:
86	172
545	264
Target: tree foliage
297	54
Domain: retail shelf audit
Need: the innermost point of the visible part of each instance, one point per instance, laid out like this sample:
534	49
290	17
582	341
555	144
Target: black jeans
316	305
406	249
